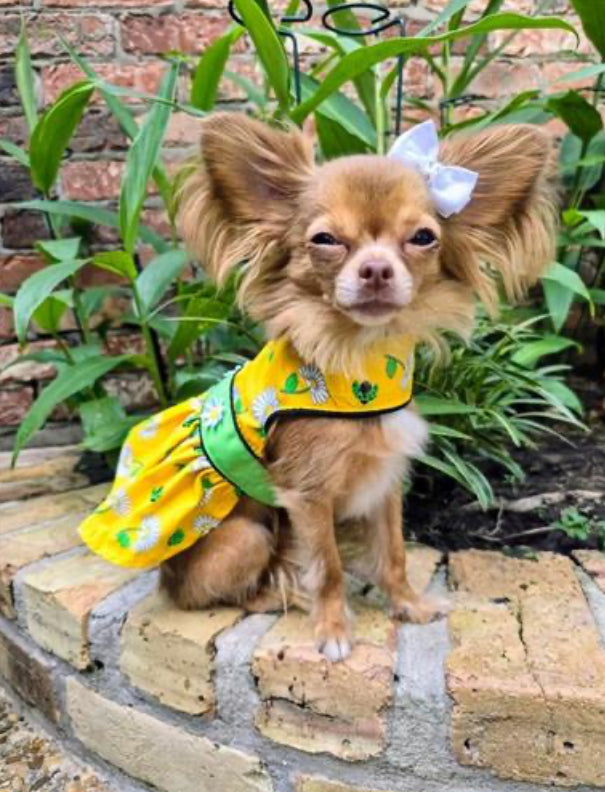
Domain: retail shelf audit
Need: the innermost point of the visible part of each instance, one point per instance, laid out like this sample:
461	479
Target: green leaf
25	79
99	414
59	249
563	394
334	140
291	383
360	60
253	92
49	313
587	72
568	279
579	115
596	218
210	68
391	367
36	289
596	295
93	214
435	405
592	16
453	7
123	115
343	111
157	276
117	261
176	538
141	160
15	152
269	49
53	132
68	382
110	437
212	309
92	299
529	354
6	299
558	300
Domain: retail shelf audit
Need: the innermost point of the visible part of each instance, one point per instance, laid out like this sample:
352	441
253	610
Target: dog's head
342	254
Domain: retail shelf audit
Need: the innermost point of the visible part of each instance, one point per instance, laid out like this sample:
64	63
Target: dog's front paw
421	610
333	640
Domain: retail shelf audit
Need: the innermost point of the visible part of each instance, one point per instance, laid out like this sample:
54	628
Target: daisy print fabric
166	494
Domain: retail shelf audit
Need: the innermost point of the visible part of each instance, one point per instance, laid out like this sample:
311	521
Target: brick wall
125	41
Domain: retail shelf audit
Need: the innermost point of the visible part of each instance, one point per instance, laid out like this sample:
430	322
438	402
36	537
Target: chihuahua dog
337	258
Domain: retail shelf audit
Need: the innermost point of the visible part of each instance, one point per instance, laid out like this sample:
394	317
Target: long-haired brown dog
338	256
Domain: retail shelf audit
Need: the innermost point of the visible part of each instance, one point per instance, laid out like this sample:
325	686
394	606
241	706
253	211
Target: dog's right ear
239	197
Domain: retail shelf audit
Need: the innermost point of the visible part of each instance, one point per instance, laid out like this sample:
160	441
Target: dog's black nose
376	273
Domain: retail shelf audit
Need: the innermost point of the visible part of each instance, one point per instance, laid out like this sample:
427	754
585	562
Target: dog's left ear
510	222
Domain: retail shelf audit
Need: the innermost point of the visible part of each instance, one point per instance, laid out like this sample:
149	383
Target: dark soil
565	482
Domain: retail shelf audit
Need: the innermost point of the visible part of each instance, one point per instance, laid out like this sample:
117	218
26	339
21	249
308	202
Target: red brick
15	182
91	181
14	269
21	229
135	391
28	371
118	4
124	344
98	131
187	33
14	403
502	78
538	42
139	77
92	35
7	327
183	130
28	674
14	128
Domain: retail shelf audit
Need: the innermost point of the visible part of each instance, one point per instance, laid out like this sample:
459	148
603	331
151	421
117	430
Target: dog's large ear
239	196
509	224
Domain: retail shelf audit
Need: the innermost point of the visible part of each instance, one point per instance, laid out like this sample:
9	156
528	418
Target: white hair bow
450	186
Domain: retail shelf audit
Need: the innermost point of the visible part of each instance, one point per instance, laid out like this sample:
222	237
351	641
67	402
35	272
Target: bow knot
450	186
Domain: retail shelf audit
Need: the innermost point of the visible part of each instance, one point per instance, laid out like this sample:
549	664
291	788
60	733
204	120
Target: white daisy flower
212	413
265	405
149	429
148	534
316	382
203	524
125	462
196	403
119	502
201	462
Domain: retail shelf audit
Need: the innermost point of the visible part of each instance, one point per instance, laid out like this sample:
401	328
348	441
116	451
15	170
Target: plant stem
152	345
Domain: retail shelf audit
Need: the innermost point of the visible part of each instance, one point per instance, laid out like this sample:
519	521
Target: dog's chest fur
381	463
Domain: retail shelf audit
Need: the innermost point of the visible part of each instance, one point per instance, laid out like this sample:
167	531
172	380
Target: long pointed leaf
93	214
357	62
157	276
53	132
269	48
210	68
15	152
25	79
37	288
69	381
142	159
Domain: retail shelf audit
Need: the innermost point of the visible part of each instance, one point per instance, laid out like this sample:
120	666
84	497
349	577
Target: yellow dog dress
183	470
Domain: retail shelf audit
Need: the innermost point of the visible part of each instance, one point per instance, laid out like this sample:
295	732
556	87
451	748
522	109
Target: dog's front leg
313	524
391	575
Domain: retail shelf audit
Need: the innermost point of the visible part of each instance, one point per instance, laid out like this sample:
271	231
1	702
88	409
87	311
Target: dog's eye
323	238
423	237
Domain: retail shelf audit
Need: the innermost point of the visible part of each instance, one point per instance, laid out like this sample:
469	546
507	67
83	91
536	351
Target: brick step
506	694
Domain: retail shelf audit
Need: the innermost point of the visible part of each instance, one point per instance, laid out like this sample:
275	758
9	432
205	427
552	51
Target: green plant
192	333
578	525
492	395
